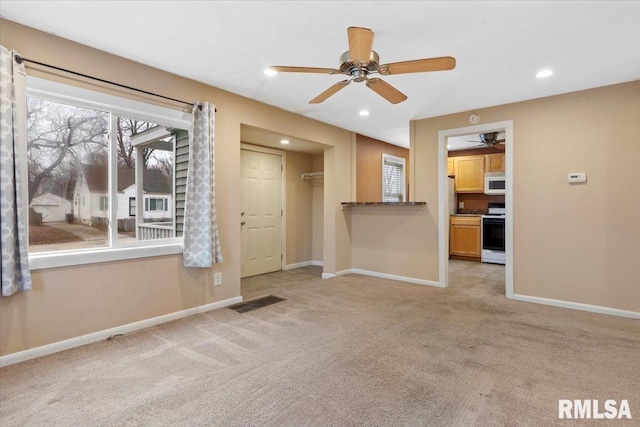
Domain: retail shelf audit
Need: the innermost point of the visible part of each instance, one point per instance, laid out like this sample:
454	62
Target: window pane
393	179
151	148
67	148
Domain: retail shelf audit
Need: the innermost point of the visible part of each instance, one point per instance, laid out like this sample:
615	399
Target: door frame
443	202
283	219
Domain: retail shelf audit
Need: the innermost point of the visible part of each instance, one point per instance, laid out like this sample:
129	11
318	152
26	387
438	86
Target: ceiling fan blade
329	92
418	66
386	91
360	42
284	69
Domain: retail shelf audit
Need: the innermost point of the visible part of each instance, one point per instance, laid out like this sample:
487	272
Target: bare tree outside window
126	129
71	204
62	142
59	138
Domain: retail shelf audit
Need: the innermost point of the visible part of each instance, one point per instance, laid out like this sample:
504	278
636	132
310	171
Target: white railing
155	230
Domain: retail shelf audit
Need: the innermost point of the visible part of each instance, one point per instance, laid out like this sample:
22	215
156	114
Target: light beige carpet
348	351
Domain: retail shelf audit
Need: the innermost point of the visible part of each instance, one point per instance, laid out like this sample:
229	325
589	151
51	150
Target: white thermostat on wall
576	178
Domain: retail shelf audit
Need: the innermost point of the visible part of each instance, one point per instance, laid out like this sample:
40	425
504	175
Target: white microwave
494	183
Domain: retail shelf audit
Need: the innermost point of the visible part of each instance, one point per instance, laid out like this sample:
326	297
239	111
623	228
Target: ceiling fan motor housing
489	138
359	71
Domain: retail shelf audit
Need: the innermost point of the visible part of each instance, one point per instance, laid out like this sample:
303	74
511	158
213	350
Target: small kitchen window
393	178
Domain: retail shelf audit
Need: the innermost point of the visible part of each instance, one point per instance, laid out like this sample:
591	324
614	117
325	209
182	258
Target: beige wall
369	153
391	240
573	243
68	302
299	208
317	207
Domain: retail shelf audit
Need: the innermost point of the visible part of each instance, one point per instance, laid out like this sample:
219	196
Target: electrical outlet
460	205
217	279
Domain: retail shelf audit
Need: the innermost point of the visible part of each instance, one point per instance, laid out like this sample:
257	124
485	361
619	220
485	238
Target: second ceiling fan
360	61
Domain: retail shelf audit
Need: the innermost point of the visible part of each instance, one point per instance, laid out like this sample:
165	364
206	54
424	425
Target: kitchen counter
466	214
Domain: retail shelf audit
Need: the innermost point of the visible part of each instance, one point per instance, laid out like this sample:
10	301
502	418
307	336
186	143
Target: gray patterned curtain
201	240
15	256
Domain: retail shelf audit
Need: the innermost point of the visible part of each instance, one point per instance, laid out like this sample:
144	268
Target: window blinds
392	179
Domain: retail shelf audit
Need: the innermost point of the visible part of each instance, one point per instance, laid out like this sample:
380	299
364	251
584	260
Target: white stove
493	234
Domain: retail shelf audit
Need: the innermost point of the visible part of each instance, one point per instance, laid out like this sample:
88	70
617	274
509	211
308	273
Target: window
156	204
393	178
103	151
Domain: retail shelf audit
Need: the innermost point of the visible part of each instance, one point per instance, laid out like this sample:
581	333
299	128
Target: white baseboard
395	277
302	264
578	306
328	275
297	265
70	343
343	272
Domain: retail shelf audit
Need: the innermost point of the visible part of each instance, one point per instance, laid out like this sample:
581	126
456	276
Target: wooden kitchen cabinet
494	162
464	236
469	172
450	167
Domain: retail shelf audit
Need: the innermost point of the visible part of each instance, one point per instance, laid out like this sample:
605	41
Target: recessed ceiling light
270	72
544	73
364	113
284	141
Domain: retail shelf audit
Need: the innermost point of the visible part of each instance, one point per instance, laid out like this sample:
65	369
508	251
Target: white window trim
401	161
63	93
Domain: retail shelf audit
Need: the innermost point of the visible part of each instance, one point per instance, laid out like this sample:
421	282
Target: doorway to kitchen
476	204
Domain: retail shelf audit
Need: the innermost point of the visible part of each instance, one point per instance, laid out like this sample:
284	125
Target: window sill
40	261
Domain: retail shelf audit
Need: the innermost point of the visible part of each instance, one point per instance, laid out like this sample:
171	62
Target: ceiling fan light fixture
270	72
544	73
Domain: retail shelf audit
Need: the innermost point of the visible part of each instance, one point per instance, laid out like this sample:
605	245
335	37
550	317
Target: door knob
243	222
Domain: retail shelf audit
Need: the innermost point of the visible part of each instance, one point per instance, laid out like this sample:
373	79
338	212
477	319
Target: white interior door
261	219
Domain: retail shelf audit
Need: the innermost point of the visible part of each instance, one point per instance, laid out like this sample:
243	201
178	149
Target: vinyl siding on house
182	162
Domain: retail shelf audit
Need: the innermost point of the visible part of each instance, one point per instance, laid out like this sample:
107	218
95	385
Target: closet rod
21	59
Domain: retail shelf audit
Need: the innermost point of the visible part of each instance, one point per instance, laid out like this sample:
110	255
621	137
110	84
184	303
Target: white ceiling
499	47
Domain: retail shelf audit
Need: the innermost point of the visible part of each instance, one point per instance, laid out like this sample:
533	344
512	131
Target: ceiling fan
360	62
489	139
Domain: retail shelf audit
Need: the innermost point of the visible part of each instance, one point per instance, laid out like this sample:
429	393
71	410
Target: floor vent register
253	304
